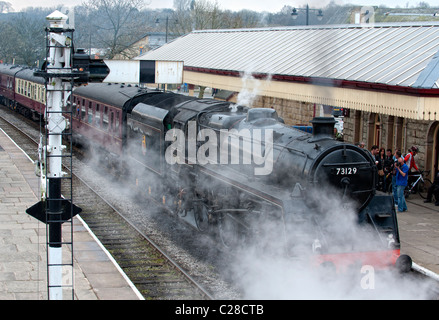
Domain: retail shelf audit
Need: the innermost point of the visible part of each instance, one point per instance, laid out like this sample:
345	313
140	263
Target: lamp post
294	14
157	21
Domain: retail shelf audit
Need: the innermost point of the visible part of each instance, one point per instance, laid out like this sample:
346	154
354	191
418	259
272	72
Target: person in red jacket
410	158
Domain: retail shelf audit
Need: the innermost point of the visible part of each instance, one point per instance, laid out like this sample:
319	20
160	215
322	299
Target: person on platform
388	167
410	158
433	191
374	152
402	170
396	157
381	157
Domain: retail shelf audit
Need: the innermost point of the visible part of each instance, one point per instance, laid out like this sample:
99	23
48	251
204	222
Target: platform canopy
384	68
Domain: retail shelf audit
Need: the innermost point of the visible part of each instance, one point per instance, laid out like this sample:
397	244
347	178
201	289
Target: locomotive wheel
230	232
202	217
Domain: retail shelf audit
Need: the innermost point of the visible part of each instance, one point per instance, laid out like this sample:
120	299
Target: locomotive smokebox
323	128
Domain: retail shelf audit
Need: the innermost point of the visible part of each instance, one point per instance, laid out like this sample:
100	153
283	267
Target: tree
8	38
30	44
114	24
5	7
203	14
22	36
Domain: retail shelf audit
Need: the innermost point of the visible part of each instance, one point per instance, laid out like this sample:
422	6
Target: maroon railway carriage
7	84
101	112
22	91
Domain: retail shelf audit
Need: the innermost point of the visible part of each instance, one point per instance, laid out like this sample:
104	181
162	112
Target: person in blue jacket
401	182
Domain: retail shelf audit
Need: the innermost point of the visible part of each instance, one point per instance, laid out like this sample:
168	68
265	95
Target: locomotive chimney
322	128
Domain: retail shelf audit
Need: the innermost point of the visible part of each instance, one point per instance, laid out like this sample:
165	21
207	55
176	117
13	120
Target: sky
234	5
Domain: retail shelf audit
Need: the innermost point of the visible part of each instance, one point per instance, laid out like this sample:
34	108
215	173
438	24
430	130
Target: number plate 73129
345	171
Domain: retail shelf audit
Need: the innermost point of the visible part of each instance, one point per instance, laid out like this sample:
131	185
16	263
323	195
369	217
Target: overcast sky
235	5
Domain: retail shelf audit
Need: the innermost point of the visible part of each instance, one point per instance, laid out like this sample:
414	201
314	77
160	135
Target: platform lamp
319	14
157	21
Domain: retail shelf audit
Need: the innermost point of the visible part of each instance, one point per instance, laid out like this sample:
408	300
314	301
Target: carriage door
436	153
377	130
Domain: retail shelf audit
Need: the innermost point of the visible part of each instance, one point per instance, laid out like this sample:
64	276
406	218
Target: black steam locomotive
242	174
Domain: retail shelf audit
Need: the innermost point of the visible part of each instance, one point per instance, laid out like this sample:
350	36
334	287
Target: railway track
152	271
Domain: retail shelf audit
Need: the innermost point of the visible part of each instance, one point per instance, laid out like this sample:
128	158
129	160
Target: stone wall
293	112
395	133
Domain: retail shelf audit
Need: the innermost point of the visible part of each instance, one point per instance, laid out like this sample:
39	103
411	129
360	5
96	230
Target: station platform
23	255
419	233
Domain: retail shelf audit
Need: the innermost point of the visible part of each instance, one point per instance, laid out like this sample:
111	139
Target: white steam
251	88
263	275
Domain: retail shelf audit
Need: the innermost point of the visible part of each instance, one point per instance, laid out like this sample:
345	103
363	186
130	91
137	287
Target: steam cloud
262	275
250	89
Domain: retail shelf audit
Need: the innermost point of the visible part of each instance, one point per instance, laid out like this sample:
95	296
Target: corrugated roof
391	54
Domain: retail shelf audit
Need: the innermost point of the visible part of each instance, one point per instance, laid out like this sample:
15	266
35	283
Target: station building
384	76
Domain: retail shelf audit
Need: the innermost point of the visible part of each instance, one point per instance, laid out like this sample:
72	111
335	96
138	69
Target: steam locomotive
236	172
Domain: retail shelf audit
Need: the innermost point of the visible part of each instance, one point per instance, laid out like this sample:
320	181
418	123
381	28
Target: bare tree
114	24
5	7
30	31
8	41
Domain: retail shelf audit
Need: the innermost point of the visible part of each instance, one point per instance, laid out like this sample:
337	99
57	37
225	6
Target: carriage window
97	116
77	107
117	122
112	121
105	118
90	112
83	109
